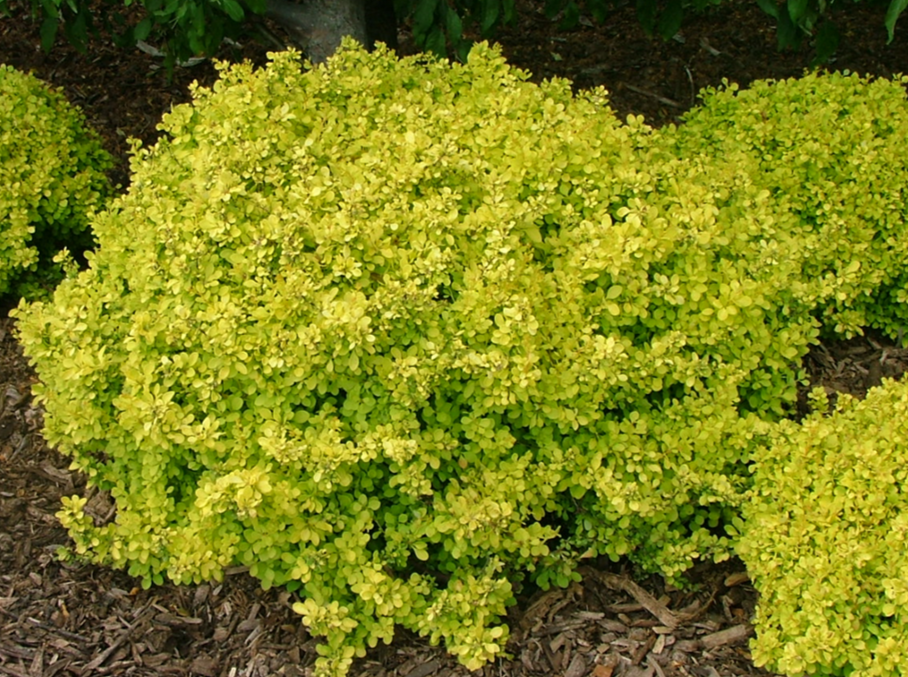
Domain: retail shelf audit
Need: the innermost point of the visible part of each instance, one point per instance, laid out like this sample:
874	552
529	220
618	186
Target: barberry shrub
825	541
397	333
829	148
51	176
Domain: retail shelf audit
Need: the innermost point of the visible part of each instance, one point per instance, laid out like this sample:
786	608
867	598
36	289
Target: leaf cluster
825	542
51	176
828	149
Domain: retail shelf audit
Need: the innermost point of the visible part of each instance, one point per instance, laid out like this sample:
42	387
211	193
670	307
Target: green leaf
670	21
646	15
490	9
895	9
234	9
827	41
143	28
571	17
771	7
599	9
454	25
787	33
797	9
435	42
554	7
49	32
423	18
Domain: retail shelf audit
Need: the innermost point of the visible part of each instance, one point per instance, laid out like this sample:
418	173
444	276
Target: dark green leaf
599	9
49	32
797	9
143	29
571	16
896	7
771	7
646	14
489	15
455	26
234	9
670	20
787	33
462	50
509	11
435	42
76	30
553	7
827	42
423	18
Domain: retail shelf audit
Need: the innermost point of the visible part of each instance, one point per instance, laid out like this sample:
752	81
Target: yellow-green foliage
51	174
825	542
831	149
395	333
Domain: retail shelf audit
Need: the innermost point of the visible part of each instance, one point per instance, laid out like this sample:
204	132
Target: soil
67	619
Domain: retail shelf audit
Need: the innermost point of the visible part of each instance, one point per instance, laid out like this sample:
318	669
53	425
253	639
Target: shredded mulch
61	618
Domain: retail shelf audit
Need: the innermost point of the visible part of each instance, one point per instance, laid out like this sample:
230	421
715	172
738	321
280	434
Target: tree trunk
319	25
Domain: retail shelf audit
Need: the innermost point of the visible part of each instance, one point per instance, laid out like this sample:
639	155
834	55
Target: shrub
825	542
51	175
829	148
395	333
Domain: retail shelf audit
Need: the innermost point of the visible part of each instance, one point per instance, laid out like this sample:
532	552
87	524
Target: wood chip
732	635
646	600
425	669
577	668
607	667
736	579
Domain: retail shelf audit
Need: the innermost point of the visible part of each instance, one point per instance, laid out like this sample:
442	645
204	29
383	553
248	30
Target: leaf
423	18
143	29
571	17
490	10
553	7
49	32
787	34
76	31
233	9
797	9
670	21
454	26
895	9
599	9
509	11
827	42
435	42
771	7
646	15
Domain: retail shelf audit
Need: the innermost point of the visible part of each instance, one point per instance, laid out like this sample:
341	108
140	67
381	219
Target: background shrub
396	333
825	540
830	150
51	176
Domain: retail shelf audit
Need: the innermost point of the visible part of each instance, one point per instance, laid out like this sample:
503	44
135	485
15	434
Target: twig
657	97
732	635
44	626
104	655
646	600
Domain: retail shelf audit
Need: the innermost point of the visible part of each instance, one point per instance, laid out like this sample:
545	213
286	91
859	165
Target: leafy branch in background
186	28
438	25
797	19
